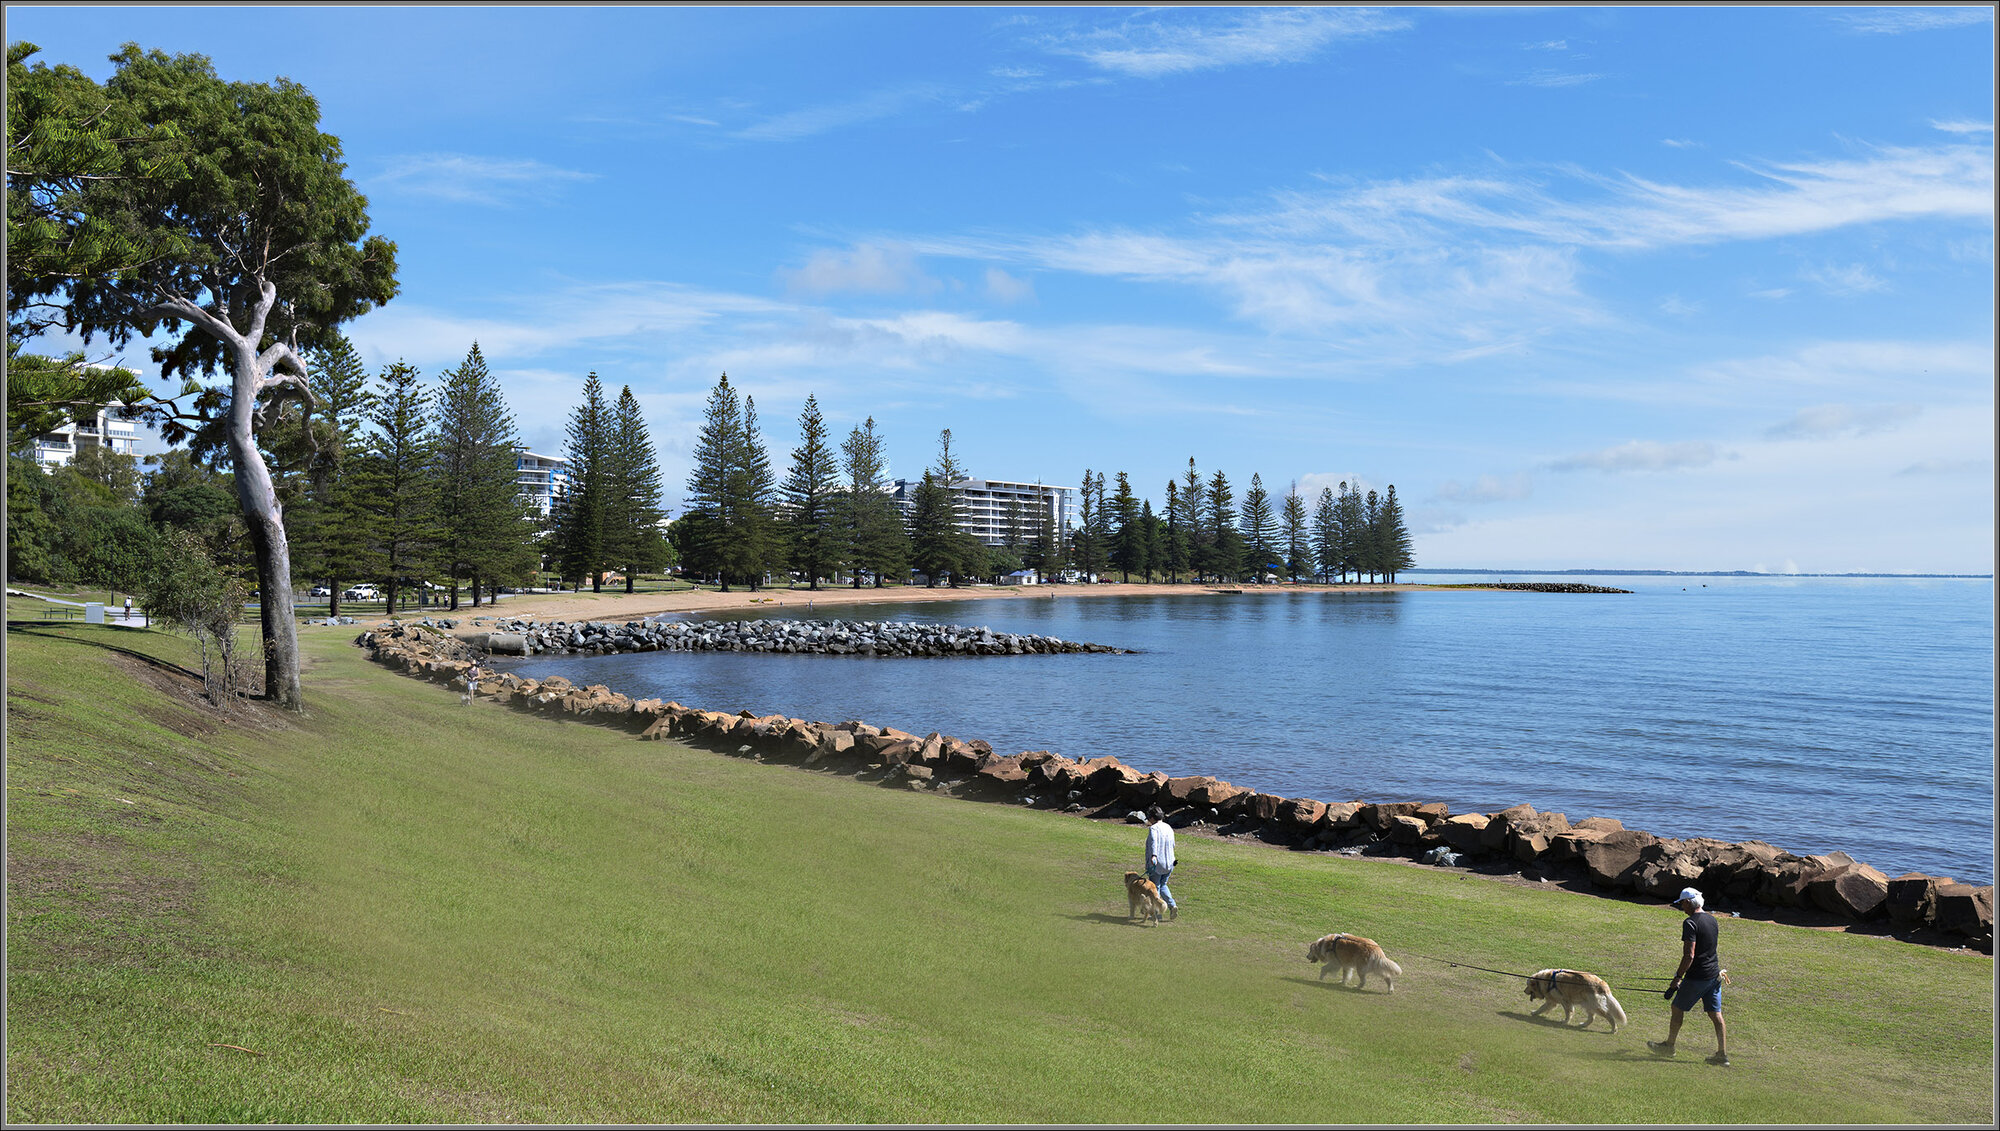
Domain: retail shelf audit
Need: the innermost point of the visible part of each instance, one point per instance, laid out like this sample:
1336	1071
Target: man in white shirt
1160	856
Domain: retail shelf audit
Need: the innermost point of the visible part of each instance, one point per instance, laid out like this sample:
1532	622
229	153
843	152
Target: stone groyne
1547	587
823	638
1598	852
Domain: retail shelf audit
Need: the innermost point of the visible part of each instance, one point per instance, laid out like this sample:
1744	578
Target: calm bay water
1818	714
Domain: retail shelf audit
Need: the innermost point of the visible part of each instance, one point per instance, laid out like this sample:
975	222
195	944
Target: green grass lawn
411	911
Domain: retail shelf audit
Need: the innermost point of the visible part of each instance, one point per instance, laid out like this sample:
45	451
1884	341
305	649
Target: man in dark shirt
1698	979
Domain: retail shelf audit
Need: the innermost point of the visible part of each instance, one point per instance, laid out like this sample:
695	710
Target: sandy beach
619	606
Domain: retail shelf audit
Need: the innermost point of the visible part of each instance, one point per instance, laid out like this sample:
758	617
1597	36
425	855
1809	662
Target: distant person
472	677
128	608
1699	978
1160	856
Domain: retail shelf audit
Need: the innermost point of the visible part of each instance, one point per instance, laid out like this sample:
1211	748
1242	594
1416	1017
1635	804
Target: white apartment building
540	479
107	429
983	507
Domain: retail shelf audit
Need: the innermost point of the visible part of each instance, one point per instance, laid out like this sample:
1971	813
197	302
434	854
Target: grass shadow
1115	920
32	628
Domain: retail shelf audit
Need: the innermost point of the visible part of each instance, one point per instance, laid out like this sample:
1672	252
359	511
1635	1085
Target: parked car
321	591
362	593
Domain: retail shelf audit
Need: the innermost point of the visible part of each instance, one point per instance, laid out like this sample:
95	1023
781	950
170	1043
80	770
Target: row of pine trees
833	513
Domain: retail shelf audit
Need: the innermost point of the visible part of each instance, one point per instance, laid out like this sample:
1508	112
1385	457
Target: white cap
1690	895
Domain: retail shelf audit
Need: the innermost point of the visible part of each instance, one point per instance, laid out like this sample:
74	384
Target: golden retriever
1143	898
1574	989
1356	954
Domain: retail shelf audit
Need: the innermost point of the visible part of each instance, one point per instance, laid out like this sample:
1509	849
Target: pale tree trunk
251	374
265	519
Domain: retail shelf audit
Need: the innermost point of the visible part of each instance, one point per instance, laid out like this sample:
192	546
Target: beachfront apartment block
987	507
540	479
107	429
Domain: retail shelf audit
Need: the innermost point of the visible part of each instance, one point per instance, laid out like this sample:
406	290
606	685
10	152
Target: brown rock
1463	832
1613	860
1495	835
1856	892
1343	815
1966	910
1912	898
1217	794
1378	814
1405	829
1302	814
1262	806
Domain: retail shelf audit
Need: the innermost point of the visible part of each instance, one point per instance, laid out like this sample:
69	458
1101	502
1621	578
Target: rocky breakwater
790	637
1549	587
1591	853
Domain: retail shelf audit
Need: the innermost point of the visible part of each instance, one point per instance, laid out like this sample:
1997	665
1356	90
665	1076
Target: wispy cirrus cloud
1901	21
1844	280
1836	421
1577	207
1641	455
1553	79
795	124
1157	44
466	179
1962	126
865	268
1485	489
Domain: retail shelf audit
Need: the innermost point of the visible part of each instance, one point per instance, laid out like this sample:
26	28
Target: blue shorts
1707	991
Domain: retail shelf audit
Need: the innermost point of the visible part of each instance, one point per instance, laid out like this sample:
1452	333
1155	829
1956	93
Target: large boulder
1463	833
1967	910
1406	829
1911	900
1528	839
1217	795
1343	815
1301	816
1494	838
1262	806
1614	860
1377	815
1855	892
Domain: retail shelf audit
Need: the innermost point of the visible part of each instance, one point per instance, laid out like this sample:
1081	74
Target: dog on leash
1573	990
1143	898
1352	953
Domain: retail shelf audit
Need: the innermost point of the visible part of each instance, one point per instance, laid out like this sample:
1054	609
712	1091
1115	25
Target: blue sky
1661	287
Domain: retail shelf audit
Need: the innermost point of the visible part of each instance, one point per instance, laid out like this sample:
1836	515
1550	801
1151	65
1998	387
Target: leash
1530	977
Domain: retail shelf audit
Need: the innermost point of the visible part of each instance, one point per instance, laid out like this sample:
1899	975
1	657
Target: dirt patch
188	712
92	877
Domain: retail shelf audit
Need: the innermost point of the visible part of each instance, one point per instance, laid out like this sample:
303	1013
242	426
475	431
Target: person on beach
1160	856
1699	978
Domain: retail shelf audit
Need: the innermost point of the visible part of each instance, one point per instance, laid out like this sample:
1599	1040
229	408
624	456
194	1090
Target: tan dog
1574	989
1353	953
1143	898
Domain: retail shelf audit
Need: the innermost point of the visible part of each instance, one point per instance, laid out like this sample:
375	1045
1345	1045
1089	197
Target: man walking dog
1160	856
1699	978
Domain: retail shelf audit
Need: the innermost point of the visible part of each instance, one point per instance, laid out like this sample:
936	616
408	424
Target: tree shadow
31	628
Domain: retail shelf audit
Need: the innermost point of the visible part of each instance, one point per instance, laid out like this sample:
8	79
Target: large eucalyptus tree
262	251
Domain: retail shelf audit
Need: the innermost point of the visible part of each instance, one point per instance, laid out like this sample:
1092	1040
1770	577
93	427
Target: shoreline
1595	855
619	606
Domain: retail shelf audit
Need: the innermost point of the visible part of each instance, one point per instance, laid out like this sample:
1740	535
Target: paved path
113	614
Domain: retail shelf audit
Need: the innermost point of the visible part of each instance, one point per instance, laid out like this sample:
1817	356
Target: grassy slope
421	912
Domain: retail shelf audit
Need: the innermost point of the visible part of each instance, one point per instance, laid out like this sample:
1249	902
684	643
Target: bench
57	612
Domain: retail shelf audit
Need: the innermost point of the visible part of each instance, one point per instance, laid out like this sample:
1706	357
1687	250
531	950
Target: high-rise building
107	429
983	506
540	479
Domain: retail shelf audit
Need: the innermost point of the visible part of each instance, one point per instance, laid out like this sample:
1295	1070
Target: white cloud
1152	45
866	268
819	119
1553	79
1773	293
1486	489
1679	307
1548	45
1898	21
1002	287
1640	455
1830	421
1962	126
1683	143
1853	279
475	180
1628	212
1948	467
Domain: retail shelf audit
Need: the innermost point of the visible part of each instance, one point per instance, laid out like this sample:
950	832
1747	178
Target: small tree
633	489
1259	528
1326	535
1298	546
581	513
186	591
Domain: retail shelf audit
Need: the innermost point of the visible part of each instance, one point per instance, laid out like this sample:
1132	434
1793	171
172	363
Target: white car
321	591
361	593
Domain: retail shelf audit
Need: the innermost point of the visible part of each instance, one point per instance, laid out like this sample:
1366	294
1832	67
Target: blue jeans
1159	878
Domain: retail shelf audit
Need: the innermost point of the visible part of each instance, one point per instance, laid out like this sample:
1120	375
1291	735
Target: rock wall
823	638
1597	849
